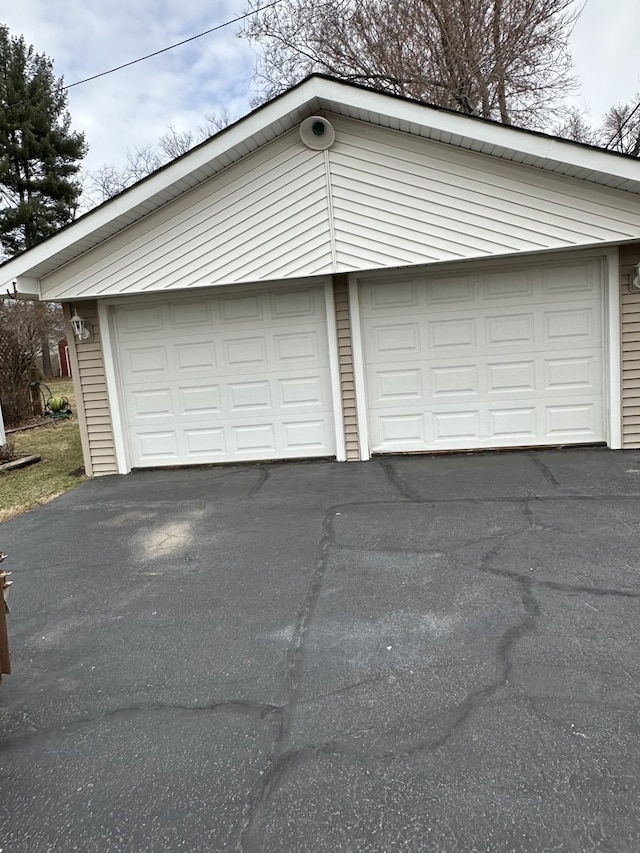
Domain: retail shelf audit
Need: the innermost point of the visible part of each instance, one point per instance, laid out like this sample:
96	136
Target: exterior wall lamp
634	278
79	329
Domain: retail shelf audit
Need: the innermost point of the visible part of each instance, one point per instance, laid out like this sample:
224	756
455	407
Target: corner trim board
611	269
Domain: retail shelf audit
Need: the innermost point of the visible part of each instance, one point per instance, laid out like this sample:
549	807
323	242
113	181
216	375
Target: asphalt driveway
410	654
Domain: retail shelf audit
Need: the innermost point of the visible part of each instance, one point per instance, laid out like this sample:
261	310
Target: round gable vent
317	133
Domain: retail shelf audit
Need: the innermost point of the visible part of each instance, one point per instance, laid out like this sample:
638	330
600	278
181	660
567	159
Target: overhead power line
172	46
157	52
623	125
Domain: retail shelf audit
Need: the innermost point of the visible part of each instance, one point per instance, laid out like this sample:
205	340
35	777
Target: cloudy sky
133	107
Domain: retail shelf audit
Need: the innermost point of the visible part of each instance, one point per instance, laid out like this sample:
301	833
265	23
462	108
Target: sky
133	107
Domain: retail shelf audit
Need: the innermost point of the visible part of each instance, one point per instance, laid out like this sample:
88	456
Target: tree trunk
46	358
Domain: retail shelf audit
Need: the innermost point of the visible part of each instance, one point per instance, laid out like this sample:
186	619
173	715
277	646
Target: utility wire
172	46
156	52
623	125
635	109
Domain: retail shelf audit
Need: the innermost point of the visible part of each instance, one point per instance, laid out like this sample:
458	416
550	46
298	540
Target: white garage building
344	273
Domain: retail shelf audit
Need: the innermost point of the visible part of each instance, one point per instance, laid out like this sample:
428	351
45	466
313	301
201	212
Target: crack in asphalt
501	539
547	473
282	759
264	471
277	762
397	480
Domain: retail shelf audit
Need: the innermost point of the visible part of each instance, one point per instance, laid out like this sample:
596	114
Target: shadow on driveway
414	653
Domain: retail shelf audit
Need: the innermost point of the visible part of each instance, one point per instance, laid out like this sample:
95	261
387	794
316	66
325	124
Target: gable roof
317	94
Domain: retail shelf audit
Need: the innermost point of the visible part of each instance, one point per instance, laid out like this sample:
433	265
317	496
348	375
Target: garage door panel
140	320
571	374
454	380
244	352
574	279
189	315
305	435
398	384
514	359
236	376
296	347
455	426
519	424
306	391
389	340
254	437
507	285
147	362
153	403
200	400
511	377
451	290
249	396
565	420
400	430
240	309
385	297
452	334
206	442
509	330
571	326
285	305
197	356
161	445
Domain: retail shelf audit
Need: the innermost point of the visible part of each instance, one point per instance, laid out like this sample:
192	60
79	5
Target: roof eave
318	93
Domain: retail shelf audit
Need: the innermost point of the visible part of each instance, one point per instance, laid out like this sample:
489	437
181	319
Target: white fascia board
22	287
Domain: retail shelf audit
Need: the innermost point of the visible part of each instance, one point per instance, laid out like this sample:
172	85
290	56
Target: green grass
58	443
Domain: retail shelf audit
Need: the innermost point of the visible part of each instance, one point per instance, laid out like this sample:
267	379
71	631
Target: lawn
61	466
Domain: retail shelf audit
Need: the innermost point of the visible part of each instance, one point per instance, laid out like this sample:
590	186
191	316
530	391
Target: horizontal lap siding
91	385
630	301
345	358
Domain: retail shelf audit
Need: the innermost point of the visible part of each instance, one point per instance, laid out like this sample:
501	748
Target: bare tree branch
620	129
499	59
108	181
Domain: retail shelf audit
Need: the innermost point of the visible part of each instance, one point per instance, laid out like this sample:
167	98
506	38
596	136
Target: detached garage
344	273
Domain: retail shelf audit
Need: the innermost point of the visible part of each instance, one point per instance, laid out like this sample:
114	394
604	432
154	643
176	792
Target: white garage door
496	358
224	378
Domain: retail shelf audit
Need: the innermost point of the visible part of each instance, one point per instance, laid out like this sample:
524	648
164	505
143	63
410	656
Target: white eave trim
22	287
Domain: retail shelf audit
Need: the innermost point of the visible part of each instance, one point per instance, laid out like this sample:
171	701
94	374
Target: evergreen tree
39	153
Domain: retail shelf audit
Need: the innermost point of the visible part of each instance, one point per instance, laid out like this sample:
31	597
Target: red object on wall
65	361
